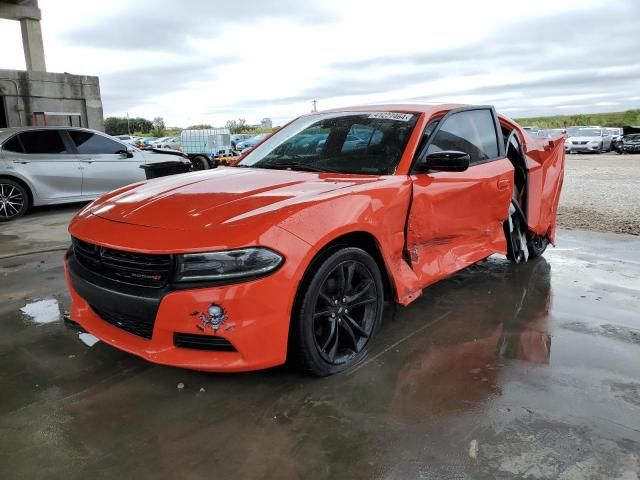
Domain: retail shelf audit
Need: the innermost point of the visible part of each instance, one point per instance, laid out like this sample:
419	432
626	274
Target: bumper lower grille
202	342
146	270
142	327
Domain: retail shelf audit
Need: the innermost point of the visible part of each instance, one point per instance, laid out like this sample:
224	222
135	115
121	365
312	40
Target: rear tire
14	200
515	233
338	312
537	244
200	162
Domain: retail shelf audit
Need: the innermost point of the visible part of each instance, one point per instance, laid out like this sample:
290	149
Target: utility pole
315	106
128	126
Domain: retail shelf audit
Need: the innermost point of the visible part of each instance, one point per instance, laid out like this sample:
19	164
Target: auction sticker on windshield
401	117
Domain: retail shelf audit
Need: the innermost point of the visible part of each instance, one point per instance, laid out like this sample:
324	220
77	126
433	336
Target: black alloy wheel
341	311
514	230
14	200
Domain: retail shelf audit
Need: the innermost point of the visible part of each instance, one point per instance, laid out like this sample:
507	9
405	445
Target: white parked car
615	132
128	139
171	143
587	139
51	165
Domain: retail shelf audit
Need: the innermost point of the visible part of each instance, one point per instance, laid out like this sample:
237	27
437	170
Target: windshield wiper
294	166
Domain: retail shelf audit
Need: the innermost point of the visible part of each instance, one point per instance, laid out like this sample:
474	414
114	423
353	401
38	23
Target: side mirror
447	161
126	153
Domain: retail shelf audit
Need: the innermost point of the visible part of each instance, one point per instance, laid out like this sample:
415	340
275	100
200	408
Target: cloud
126	89
199	61
172	25
590	54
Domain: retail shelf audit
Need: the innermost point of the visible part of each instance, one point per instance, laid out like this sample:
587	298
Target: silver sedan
45	166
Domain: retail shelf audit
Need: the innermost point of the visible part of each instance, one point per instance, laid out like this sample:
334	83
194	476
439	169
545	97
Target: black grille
202	342
147	270
140	326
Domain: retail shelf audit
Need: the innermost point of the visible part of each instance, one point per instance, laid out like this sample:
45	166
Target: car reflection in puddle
498	315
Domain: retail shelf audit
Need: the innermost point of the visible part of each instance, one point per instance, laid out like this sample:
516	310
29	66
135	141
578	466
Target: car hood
204	200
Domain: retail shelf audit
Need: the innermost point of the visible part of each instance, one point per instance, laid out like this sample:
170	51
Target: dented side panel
456	218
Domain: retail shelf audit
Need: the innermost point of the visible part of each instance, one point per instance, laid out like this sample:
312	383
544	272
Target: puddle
88	339
42	312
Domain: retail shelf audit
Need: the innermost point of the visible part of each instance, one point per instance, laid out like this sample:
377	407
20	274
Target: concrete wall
25	92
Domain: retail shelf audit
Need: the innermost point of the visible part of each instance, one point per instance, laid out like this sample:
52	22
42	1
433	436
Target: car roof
401	107
10	131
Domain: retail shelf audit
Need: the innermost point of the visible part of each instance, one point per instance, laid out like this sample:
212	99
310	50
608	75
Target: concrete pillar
32	44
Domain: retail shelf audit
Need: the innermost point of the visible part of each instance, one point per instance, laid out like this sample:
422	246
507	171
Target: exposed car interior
513	148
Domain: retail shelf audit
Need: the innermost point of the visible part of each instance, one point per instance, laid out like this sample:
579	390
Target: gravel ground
601	193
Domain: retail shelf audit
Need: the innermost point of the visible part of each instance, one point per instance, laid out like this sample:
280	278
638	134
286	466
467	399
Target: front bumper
631	148
581	148
257	321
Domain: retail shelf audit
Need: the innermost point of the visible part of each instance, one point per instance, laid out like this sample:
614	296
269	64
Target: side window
472	132
42	141
13	145
90	143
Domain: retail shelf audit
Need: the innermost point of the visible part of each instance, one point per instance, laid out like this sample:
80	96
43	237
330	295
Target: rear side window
13	145
472	132
42	141
90	143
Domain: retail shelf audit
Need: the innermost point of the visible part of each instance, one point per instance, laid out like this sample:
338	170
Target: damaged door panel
456	218
545	161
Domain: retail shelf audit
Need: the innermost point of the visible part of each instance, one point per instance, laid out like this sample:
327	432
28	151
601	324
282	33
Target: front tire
338	312
200	162
14	200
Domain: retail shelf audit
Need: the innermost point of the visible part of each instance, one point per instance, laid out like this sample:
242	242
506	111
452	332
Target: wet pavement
43	229
502	371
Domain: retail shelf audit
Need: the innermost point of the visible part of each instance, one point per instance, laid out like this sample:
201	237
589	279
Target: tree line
157	128
614	119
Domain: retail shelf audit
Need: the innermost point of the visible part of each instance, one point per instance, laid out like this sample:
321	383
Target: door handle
503	183
22	162
87	161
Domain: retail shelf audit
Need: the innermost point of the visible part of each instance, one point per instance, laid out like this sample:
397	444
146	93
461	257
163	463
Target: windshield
346	142
588	132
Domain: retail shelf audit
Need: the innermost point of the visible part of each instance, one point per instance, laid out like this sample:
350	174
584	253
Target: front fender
379	211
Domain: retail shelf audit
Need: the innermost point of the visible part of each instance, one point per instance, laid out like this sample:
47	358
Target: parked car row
588	139
239	142
628	144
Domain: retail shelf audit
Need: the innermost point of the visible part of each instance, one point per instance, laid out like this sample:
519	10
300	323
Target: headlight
595	141
227	265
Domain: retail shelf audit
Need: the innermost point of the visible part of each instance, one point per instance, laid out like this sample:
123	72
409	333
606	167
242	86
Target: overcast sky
210	61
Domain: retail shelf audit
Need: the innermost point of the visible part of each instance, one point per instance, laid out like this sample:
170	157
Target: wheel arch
359	239
23	183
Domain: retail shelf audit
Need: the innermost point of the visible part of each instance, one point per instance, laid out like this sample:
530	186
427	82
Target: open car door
545	163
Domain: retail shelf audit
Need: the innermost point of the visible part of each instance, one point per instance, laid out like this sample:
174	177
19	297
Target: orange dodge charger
292	251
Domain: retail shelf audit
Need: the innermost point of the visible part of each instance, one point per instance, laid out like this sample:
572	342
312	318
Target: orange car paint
426	227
